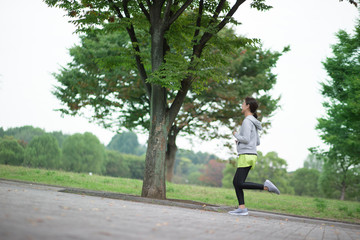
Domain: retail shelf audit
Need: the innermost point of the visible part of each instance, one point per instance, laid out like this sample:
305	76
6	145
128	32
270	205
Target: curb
195	205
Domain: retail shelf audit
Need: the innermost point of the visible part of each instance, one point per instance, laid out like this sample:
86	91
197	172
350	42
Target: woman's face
244	107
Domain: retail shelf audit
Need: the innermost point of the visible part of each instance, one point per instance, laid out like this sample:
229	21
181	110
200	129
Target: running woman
246	141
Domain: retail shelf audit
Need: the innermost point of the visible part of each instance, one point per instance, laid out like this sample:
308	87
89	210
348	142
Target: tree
25	133
83	153
11	152
2	132
248	73
212	173
116	166
43	152
333	179
170	71
313	162
305	182
340	128
126	142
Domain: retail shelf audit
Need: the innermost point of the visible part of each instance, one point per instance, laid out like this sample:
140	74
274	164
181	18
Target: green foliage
340	128
126	142
305	182
11	152
136	164
313	161
116	166
43	152
83	153
229	173
333	179
196	158
60	137
25	133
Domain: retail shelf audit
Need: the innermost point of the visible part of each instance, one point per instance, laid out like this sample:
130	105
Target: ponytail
253	105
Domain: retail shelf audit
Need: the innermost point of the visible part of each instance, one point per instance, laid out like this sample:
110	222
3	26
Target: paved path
42	212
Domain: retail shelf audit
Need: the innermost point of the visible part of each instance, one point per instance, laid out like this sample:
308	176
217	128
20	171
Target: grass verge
346	211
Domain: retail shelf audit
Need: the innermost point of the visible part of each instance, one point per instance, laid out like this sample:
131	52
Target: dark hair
253	105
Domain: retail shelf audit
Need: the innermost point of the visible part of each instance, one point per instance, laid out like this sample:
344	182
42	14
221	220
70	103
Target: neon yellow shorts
245	160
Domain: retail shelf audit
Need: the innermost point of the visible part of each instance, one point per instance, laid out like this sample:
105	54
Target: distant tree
335	176
83	153
25	133
305	182
228	173
212	173
195	172
126	142
136	164
116	165
11	152
313	162
43	152
195	157
59	136
2	132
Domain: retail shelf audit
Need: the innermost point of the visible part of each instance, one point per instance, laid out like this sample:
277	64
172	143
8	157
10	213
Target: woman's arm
244	137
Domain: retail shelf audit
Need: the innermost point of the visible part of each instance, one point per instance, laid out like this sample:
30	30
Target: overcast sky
35	40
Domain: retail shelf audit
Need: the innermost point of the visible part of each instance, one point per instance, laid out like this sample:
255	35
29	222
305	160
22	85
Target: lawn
346	211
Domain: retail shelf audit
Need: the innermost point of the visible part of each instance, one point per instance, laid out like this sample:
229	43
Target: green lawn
289	204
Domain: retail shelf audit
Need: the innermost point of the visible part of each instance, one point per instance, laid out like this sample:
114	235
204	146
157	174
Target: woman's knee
238	184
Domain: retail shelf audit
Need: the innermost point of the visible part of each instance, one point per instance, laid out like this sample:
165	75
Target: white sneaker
271	187
240	212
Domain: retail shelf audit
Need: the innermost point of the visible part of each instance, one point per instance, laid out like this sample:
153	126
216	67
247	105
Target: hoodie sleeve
244	137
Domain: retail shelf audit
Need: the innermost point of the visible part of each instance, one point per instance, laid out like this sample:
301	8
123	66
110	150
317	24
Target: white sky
35	39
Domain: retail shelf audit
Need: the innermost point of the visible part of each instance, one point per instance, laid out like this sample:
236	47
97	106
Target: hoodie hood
256	122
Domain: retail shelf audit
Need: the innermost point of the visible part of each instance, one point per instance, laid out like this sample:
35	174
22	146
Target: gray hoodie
248	137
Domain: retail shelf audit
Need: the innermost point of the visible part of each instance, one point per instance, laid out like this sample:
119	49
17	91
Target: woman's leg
240	184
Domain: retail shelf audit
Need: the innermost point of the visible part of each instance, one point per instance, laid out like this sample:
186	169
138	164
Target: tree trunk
343	188
171	154
154	175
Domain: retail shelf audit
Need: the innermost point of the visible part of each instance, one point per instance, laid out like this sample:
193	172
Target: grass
346	211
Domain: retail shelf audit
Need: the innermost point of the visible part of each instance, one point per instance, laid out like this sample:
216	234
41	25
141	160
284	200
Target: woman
247	140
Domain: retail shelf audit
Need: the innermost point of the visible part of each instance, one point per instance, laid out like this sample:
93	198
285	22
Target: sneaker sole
239	214
276	190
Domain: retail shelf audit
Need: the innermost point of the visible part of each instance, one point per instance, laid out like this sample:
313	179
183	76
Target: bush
83	153
43	152
116	166
11	152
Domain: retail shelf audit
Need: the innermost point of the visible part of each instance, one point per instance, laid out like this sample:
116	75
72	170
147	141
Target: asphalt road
30	211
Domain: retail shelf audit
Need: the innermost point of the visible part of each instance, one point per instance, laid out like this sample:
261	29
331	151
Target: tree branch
143	9
135	45
167	11
179	98
207	35
217	11
198	22
179	12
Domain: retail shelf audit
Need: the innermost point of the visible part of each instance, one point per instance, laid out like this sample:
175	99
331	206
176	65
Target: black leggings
240	184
